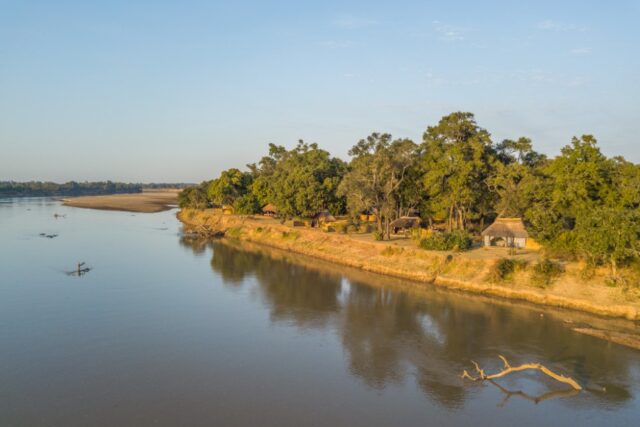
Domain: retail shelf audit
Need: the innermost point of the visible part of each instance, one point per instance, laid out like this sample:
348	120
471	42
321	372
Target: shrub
391	251
504	269
457	240
377	235
290	235
545	272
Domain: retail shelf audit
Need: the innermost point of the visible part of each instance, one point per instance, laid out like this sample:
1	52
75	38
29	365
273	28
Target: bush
457	240
545	272
290	235
377	235
391	251
504	269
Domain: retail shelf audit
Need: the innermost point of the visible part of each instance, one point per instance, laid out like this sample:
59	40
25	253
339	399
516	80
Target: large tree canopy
299	182
377	171
579	203
458	158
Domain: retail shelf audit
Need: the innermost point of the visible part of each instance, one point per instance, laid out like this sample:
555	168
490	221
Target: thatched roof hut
405	223
270	209
322	218
508	232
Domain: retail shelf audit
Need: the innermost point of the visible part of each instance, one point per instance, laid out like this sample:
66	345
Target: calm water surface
166	331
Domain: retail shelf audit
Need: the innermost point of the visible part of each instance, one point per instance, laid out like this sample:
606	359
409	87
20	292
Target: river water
168	331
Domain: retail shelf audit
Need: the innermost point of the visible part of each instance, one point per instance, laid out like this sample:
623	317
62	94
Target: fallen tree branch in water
527	366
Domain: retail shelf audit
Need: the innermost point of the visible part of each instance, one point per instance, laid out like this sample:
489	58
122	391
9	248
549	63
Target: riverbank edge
439	269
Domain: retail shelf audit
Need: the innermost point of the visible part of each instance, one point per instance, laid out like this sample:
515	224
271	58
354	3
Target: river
169	331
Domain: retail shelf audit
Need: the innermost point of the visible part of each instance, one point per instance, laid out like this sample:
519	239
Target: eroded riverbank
449	270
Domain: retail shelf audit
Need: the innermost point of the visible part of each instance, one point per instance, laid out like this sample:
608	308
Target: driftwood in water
48	236
527	366
80	270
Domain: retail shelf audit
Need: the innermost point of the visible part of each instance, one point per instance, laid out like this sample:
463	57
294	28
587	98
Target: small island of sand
149	201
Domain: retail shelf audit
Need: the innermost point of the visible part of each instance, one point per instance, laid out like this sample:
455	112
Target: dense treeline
580	204
72	188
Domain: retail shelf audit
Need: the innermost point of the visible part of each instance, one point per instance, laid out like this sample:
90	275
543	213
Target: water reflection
392	331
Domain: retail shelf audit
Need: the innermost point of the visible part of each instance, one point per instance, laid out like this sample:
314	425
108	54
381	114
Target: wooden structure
321	218
506	232
405	223
270	210
368	215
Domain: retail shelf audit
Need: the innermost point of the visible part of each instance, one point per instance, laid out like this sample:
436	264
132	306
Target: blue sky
176	91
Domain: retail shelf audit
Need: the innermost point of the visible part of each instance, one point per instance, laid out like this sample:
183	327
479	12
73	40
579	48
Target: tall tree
229	186
457	159
378	168
299	182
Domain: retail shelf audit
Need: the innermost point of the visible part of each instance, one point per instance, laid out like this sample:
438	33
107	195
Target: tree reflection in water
392	330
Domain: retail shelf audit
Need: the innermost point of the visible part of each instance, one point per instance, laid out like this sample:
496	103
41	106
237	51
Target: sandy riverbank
148	201
469	271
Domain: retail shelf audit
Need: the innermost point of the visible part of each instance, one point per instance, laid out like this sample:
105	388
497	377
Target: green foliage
456	240
246	205
545	272
578	205
458	159
231	185
378	170
504	269
194	197
71	188
300	182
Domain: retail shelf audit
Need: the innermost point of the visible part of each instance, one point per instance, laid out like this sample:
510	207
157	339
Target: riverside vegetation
580	206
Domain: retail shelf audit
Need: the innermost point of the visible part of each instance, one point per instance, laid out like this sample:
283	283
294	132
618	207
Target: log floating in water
508	369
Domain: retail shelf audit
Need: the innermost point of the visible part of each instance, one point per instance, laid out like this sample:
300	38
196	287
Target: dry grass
465	271
147	201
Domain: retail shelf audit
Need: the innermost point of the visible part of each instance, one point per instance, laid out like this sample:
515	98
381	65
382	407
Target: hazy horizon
142	91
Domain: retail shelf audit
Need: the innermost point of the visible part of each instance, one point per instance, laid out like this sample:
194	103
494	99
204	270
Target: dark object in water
57	215
48	236
80	270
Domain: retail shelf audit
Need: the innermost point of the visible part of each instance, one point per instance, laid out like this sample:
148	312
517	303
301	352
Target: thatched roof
324	216
406	222
270	207
506	227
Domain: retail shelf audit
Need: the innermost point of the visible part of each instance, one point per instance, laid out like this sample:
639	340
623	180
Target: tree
194	197
229	186
299	182
457	159
608	235
515	176
377	171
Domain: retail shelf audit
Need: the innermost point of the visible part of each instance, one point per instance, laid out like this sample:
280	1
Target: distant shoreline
149	201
